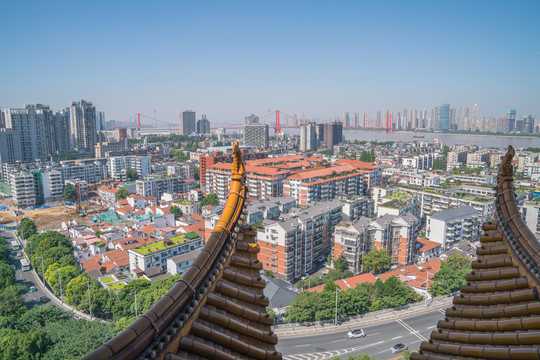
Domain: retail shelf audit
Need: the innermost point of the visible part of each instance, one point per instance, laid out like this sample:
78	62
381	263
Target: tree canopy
376	261
177	212
211	199
132	174
26	228
70	193
451	276
122	194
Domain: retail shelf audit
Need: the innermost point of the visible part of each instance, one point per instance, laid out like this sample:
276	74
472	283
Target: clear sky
229	58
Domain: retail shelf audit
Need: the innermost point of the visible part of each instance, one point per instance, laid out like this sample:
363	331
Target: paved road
31	299
379	338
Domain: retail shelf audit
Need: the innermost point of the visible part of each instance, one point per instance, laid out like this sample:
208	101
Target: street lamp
427	288
135	293
42	269
89	303
60	282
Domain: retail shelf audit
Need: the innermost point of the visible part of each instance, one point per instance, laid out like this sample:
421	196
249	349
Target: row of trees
451	275
366	297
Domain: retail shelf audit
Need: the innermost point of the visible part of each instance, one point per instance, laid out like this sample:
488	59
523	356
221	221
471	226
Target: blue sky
229	58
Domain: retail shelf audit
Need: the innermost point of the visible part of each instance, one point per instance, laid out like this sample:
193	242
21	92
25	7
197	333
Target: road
31	299
379	338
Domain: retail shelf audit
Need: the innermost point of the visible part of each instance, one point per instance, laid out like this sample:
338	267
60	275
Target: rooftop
165	244
455	213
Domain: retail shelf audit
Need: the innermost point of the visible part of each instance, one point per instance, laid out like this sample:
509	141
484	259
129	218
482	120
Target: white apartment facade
454	225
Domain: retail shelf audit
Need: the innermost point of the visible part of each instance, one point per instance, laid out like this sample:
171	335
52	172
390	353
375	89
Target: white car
398	348
356	333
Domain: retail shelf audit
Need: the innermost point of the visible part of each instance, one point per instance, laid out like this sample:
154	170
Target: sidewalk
373	318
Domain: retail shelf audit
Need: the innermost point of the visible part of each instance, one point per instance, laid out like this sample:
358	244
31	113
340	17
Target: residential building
291	244
262	209
91	171
453	225
82	185
62	130
480	156
530	211
53	185
397	234
156	186
424	180
180	263
34	125
107	194
309	138
115	165
525	158
111	148
214	157
256	135
83	126
23	189
187	123
156	254
427	250
457	156
420	162
355	206
10	146
481	180
510	121
185	171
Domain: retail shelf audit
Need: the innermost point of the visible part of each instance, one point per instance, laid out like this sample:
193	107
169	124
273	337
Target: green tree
451	275
132	174
122	194
26	228
376	261
30	345
177	212
211	199
40	316
341	263
196	173
438	164
66	274
303	307
268	273
5	250
7	275
70	193
367	156
396	293
11	300
326	152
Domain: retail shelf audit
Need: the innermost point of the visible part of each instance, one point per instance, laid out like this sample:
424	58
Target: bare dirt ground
51	218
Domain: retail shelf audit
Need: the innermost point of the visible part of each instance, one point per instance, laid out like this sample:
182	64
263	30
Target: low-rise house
427	249
107	194
180	263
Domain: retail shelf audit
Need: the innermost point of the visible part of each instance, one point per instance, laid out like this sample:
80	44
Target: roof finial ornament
238	163
506	167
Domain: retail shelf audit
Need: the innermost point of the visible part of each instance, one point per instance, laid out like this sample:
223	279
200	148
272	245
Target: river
448	139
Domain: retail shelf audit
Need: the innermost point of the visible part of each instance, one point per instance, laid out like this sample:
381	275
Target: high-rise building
2	120
346	119
82	116
309	139
203	125
365	120
474	117
34	123
100	121
510	122
256	135
62	130
444	117
251	119
356	120
379	123
452	123
187	123
10	146
526	125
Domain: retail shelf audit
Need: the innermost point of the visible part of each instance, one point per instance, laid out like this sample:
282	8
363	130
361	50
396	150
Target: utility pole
89	303
60	282
335	321
427	287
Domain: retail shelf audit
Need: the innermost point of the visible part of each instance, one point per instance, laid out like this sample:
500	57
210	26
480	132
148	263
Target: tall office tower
203	125
528	124
378	122
33	123
332	134
251	119
396	120
346	119
82	115
423	119
463	118
510	121
365	120
10	146
356	120
435	118
256	135
452	124
474	118
440	117
309	139
2	119
100	121
187	123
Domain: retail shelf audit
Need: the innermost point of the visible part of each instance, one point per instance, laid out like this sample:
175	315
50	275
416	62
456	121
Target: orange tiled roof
147	229
321	172
358	164
428	245
90	264
107	188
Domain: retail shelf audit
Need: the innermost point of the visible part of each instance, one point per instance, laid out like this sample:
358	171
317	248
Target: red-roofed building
118	257
348	283
427	249
89	265
107	194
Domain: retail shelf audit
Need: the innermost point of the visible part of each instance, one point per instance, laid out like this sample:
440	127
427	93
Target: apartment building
118	165
271	208
83	126
424	180
356	206
156	186
23	189
53	186
10	146
530	211
214	157
475	158
291	244
323	184
107	194
525	158
186	170
81	184
262	181
420	162
457	156
105	149
453	225
91	171
480	180
397	234
156	254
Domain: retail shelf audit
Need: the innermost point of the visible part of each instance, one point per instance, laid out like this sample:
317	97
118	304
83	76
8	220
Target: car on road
356	333
17	254
44	299
398	348
33	289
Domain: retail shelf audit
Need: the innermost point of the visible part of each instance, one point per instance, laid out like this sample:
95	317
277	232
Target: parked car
398	348
33	289
13	267
17	254
356	333
44	299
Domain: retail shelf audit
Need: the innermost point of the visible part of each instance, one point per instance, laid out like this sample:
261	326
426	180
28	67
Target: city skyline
227	60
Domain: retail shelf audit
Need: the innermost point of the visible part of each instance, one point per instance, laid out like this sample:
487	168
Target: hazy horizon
229	59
